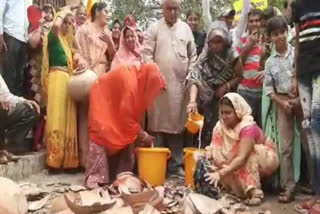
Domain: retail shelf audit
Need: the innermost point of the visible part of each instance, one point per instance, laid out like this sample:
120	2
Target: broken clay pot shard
37	205
76	205
139	200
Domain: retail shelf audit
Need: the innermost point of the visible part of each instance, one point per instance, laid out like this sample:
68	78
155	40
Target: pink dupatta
124	56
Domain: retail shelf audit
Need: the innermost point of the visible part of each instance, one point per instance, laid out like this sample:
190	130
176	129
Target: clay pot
80	84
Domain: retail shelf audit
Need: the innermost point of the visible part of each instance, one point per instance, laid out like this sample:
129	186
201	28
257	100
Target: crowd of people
256	80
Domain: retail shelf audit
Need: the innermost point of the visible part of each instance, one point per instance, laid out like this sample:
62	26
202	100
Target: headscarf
217	28
51	7
34	17
224	139
124	55
118	100
132	21
116	21
211	70
243	112
66	42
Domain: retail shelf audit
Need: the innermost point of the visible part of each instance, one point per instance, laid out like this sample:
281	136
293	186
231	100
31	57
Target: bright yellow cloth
61	126
62	145
90	3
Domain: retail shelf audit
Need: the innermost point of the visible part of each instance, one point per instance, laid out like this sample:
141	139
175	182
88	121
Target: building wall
72	2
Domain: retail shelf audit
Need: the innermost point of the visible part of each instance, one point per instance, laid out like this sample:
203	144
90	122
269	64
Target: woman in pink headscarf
129	52
129	21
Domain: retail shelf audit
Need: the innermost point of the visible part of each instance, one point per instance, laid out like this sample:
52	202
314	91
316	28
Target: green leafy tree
146	11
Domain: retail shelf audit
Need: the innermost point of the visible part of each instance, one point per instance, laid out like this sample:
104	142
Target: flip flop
10	156
286	196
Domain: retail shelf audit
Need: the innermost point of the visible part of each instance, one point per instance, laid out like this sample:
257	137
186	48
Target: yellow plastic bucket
152	164
194	122
190	165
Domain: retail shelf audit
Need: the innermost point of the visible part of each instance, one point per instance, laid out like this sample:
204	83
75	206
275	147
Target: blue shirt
279	72
14	18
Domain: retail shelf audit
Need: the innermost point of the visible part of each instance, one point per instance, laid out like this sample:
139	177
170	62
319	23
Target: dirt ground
270	202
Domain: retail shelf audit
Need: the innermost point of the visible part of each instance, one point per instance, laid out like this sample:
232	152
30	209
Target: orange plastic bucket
190	165
194	122
152	164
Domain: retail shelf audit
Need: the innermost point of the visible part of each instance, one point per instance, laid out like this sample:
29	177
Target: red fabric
310	23
251	83
252	131
255	51
118	101
251	66
132	21
34	16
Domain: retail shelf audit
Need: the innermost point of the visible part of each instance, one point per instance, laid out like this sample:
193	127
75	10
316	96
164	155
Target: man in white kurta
170	44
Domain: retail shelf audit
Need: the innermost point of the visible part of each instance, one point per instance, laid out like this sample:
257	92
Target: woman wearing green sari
59	58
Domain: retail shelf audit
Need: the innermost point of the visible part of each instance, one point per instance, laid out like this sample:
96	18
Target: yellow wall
261	4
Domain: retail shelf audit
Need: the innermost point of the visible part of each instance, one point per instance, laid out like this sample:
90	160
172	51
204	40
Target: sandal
286	196
254	201
255	197
9	156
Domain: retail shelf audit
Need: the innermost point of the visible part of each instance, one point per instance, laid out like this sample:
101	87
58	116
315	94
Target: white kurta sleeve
150	43
207	19
242	24
192	52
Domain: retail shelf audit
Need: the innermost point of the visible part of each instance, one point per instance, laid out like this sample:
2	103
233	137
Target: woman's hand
146	139
192	107
105	37
149	141
81	65
213	178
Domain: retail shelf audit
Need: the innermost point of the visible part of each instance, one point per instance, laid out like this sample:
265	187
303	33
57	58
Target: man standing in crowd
249	48
307	76
13	42
17	116
169	43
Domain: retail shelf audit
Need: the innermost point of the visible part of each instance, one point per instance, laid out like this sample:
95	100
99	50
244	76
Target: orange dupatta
118	100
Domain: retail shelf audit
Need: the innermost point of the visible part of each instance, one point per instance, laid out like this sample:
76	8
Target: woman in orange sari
118	101
240	152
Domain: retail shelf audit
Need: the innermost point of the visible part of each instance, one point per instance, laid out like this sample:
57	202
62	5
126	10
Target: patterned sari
61	128
210	72
262	161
